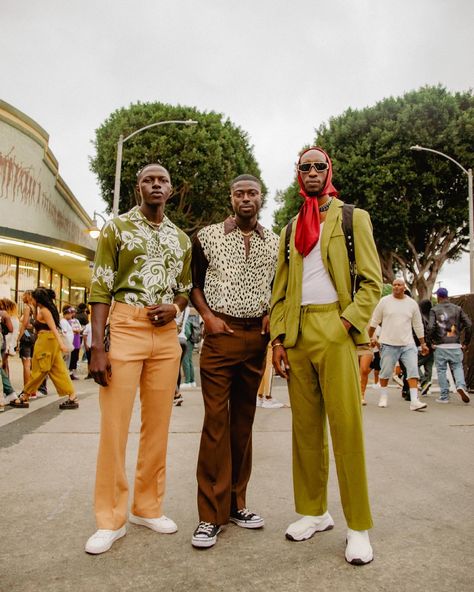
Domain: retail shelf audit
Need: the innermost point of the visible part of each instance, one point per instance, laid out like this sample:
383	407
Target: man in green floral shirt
140	283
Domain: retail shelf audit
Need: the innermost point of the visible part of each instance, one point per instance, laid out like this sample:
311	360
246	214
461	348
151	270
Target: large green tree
417	200
201	159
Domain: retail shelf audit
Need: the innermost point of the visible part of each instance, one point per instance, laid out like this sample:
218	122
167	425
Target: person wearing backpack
319	314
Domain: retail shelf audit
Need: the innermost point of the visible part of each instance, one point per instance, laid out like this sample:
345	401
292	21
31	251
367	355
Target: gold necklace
246	233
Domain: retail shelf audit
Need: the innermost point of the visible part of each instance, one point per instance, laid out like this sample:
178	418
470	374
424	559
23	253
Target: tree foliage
417	200
201	159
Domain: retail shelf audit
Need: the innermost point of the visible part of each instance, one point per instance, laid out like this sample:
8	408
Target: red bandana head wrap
307	226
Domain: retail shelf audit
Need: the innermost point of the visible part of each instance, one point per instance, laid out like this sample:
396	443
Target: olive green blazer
287	286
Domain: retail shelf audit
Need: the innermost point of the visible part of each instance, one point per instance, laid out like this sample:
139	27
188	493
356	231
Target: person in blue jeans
446	325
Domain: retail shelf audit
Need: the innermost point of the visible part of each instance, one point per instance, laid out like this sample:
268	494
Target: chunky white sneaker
186	385
259	402
271	403
358	548
376	385
163	524
102	540
463	394
383	401
417	405
308	526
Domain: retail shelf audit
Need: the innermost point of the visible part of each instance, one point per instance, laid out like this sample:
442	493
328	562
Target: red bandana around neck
308	224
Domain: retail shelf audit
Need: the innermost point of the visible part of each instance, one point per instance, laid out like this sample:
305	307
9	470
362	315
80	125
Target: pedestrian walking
448	323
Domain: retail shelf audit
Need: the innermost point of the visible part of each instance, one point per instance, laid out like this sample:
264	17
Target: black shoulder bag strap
347	228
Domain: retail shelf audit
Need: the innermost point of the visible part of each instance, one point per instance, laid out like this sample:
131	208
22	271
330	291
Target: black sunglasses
305	167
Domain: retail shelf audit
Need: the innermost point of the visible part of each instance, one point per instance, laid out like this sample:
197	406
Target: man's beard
312	193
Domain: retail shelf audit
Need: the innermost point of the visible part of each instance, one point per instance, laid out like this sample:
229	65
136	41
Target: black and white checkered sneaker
246	519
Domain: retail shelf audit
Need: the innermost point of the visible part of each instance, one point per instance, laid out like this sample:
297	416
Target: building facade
44	239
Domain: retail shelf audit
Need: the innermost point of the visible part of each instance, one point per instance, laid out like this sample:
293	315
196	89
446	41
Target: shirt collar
230	225
136	215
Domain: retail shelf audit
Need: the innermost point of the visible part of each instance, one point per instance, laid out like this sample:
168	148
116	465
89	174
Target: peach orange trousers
144	356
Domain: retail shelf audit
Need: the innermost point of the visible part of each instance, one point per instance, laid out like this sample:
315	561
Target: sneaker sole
359	561
305	537
464	396
247	524
204	543
140	522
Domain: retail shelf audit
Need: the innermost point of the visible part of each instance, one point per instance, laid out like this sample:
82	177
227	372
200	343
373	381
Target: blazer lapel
331	219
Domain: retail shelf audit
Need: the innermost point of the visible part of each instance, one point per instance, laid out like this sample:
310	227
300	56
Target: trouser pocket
44	361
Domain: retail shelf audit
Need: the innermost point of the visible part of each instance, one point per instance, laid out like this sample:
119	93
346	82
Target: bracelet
178	310
277	344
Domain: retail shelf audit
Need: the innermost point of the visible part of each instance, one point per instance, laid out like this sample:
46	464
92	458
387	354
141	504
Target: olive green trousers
324	381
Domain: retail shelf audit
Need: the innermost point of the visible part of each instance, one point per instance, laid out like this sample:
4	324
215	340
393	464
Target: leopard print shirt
236	284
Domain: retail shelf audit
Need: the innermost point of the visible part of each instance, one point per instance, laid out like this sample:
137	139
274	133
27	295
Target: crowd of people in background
48	346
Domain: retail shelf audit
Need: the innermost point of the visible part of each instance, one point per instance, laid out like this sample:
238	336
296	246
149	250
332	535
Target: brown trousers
146	356
231	369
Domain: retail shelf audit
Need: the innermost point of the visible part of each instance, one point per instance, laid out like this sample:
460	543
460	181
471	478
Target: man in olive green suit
315	325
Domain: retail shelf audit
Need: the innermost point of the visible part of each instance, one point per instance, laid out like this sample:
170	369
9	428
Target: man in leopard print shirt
233	264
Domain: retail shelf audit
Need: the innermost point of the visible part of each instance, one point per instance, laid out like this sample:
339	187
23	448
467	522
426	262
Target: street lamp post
94	230
118	162
468	172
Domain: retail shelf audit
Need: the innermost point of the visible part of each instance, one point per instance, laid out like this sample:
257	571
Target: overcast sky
277	68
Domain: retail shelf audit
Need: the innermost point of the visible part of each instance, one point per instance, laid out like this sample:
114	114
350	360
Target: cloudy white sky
277	68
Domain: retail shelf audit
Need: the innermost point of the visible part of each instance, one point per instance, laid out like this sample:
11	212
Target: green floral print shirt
141	263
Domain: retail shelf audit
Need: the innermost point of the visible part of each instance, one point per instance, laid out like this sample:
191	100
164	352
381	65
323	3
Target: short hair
67	309
245	178
150	164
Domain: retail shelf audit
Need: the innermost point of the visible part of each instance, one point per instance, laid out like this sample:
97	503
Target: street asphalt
421	481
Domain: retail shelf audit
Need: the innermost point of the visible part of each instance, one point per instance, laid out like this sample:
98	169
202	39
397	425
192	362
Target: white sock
413	394
384	391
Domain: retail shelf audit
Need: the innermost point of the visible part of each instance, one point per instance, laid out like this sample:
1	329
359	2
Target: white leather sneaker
358	548
102	540
163	524
308	526
417	405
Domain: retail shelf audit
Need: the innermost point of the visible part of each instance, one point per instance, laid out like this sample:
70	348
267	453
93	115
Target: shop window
45	276
65	291
56	284
27	276
78	295
7	276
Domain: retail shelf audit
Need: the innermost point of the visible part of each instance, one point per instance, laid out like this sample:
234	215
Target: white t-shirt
12	337
87	333
67	331
397	316
317	284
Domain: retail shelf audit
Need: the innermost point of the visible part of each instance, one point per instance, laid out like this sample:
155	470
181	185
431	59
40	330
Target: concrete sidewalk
421	478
